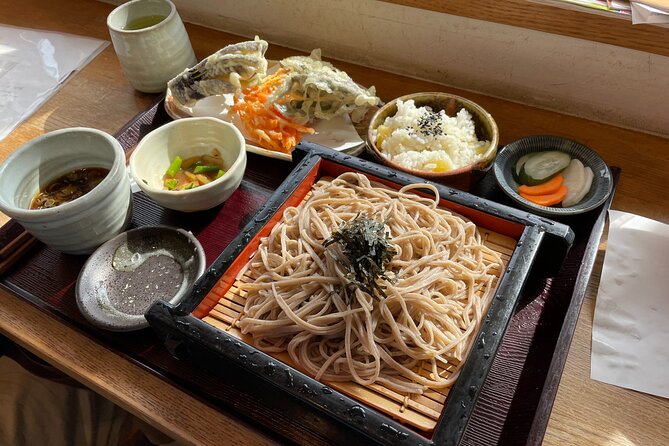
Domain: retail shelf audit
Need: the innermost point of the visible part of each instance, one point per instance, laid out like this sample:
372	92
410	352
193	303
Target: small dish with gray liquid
123	277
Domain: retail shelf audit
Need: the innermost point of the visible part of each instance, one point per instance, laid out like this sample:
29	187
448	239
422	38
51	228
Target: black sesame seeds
430	124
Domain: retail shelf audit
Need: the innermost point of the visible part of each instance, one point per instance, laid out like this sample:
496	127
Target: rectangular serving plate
200	328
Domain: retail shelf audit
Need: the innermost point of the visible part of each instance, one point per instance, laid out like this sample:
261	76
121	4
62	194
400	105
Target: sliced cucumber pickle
542	166
519	166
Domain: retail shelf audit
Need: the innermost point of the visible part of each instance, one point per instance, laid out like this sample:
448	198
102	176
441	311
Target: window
556	20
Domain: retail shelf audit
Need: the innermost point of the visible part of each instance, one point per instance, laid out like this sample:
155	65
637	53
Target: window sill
564	20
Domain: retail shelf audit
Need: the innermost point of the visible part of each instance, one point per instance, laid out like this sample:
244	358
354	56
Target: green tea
144	22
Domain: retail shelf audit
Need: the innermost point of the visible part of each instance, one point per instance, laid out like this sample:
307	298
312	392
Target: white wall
602	82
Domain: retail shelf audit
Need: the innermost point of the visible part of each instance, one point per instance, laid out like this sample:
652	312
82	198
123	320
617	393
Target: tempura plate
338	134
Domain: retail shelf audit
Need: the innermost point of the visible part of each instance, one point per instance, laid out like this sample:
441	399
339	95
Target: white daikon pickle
578	180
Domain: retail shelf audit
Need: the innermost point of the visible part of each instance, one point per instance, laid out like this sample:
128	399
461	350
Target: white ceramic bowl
187	138
81	225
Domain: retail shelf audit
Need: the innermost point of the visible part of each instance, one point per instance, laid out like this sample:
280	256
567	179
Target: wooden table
585	412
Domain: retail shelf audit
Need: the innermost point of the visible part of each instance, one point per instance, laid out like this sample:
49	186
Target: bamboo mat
419	411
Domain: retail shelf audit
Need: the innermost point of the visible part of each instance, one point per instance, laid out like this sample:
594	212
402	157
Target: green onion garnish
207	168
174	167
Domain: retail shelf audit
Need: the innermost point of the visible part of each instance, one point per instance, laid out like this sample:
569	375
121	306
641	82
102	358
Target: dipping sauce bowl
81	225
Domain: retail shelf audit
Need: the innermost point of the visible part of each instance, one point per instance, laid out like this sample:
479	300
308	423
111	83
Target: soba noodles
414	338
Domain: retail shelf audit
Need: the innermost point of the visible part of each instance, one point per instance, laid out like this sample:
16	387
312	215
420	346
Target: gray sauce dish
124	276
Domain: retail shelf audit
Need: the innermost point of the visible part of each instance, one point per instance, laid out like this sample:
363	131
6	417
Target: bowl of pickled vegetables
190	165
553	176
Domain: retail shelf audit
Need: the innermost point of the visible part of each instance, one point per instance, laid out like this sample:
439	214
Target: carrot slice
270	129
547	199
549	187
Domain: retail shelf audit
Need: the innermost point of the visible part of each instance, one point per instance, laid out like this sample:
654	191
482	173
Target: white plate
338	133
217	107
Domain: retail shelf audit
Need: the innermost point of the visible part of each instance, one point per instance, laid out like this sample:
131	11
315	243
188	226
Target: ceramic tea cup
151	43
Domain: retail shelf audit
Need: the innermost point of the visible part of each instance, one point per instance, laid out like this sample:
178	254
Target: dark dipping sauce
68	187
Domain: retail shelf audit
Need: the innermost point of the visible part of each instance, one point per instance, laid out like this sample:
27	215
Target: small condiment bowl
486	129
187	138
83	224
124	276
602	182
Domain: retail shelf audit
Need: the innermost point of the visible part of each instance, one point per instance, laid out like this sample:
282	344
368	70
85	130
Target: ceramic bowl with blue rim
505	163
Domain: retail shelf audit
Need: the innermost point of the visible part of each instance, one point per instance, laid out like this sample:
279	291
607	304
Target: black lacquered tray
512	405
190	337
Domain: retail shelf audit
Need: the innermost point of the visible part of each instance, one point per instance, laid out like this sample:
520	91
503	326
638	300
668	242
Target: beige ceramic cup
83	224
151	43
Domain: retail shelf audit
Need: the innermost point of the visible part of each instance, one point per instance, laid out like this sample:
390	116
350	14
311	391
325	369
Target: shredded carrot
548	199
549	187
263	122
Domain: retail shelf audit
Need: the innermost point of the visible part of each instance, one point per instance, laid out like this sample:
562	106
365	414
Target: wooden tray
514	402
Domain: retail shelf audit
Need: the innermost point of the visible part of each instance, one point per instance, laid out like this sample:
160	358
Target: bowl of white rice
437	136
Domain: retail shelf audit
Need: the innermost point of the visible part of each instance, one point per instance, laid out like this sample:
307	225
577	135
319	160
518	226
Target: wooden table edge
138	391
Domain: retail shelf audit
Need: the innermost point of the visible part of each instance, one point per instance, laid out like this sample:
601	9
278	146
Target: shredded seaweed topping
368	251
